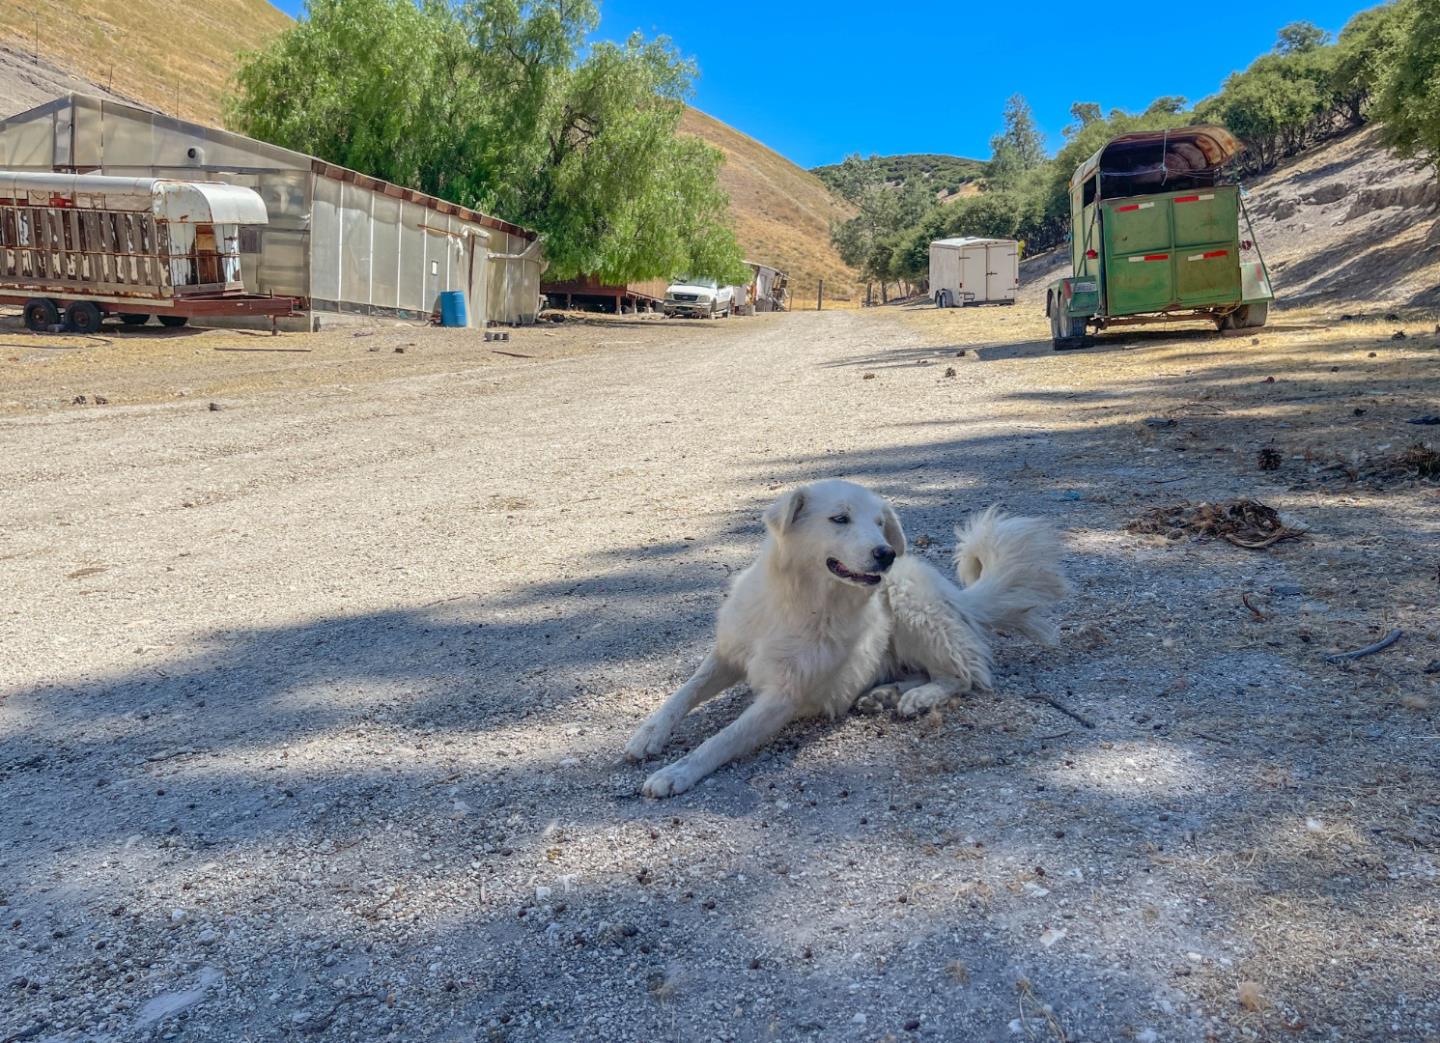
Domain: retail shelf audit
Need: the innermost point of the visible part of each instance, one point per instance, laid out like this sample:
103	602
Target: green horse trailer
1157	236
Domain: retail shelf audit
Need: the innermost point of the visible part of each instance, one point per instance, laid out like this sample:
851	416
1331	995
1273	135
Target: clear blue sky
817	81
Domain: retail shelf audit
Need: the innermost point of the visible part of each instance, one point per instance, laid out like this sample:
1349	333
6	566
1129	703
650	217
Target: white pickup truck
703	297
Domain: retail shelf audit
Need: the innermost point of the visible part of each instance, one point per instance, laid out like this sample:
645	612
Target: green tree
505	106
1299	37
1361	56
1016	149
1408	102
871	240
1083	113
1168	104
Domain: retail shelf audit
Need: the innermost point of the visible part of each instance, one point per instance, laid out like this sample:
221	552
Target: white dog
833	607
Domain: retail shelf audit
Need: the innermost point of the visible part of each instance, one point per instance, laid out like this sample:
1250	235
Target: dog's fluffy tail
1011	571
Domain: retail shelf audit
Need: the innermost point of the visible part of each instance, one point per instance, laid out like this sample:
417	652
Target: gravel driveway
311	710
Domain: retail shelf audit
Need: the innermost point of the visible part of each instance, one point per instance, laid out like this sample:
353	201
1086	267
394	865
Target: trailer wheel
174	321
1066	334
84	317
1253	316
1246	317
41	314
131	318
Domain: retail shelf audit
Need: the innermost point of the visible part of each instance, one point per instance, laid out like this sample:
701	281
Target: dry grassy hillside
170	56
782	213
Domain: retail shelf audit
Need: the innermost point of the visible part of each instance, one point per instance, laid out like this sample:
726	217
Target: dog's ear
785	512
894	534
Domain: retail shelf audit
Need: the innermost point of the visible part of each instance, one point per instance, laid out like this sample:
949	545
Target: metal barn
343	243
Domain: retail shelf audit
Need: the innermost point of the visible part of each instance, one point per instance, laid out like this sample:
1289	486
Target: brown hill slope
173	57
782	212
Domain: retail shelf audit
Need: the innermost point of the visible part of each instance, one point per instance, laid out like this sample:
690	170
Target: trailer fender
1076	296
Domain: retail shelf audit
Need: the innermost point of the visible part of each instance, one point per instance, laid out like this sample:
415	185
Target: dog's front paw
648	740
667	782
881	697
918	700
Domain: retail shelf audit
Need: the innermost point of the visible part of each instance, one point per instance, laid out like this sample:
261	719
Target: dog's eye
840	519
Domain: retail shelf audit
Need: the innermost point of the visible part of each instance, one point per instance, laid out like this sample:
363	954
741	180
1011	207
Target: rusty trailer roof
1177	152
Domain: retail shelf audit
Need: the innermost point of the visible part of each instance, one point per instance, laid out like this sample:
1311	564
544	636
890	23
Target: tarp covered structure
344	243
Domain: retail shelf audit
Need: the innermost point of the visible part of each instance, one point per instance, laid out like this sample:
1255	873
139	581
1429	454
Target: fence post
820	296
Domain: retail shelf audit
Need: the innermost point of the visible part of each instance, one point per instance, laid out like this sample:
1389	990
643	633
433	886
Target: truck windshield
685	280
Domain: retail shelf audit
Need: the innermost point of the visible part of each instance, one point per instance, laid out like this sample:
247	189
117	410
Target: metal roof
186	202
1188	149
970	240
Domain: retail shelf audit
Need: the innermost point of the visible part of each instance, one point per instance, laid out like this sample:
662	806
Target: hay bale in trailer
342	243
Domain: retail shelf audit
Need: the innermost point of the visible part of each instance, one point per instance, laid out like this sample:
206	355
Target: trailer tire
41	314
1066	334
131	318
84	317
1253	316
174	322
1246	317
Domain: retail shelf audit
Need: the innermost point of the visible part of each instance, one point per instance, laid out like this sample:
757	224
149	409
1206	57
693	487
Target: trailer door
973	278
1000	269
1207	248
1139	259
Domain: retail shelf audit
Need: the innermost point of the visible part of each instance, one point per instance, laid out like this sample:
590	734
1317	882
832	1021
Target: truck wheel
174	322
1066	334
84	317
41	314
131	318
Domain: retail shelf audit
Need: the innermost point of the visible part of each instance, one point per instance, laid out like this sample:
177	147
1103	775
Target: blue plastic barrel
452	309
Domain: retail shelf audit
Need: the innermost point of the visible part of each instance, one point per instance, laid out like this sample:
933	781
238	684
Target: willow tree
507	107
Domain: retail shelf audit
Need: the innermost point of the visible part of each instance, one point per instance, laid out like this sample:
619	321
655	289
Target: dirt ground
311	705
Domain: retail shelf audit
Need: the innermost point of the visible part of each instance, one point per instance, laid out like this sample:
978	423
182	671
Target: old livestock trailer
974	271
83	246
592	291
1157	236
344	244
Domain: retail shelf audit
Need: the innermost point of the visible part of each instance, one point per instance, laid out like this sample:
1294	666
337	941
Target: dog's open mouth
869	579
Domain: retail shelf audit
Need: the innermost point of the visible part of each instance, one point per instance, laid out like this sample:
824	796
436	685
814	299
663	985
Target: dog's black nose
884	557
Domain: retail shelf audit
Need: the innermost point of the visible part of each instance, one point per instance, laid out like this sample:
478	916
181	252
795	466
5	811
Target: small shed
769	287
343	243
973	270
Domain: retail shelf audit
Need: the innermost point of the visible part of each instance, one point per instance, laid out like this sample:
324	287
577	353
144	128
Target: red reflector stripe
1217	253
1187	199
1157	257
1123	209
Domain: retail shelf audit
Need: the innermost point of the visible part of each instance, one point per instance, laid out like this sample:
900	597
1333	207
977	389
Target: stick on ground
1379	646
1065	710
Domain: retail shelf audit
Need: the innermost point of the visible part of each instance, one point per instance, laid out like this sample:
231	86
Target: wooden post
820	296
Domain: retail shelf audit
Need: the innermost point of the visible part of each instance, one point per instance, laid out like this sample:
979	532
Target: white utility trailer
974	271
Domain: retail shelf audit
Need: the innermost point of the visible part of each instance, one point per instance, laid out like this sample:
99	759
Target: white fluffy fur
812	627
